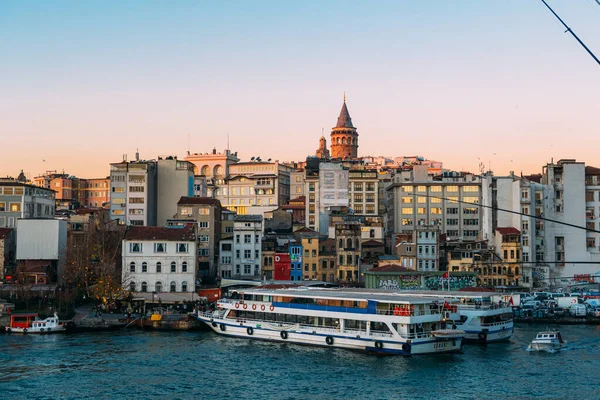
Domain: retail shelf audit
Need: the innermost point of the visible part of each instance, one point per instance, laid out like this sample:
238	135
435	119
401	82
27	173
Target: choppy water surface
135	364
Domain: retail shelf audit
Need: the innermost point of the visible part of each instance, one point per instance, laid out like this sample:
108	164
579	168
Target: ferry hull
59	329
382	345
491	336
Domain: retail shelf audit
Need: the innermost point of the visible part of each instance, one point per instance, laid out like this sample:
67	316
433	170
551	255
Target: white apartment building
157	259
226	266
133	191
450	201
553	254
247	246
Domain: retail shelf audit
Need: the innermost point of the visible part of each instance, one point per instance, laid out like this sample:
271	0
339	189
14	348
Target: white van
578	310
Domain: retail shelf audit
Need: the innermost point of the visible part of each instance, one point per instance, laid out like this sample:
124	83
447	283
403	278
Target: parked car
594	312
557	312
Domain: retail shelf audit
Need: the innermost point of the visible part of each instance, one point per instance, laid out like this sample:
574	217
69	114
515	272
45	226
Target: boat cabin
22	320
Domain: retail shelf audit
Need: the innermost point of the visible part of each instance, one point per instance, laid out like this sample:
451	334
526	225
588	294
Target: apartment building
133	195
175	179
348	250
247	246
450	201
20	200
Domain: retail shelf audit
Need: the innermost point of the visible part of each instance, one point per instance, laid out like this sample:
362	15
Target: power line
573	33
511	212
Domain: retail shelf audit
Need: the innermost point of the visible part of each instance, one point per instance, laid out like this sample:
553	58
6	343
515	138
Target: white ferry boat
483	315
359	320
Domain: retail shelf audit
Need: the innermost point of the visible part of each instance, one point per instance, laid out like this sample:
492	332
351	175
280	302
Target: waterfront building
567	192
175	179
420	249
25	201
269	245
133	196
226	260
310	245
205	213
41	249
158	259
7	250
247	246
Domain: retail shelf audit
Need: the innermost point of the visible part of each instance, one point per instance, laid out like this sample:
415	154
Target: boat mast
571	31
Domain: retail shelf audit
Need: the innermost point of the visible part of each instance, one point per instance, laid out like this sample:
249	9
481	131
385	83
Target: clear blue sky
84	82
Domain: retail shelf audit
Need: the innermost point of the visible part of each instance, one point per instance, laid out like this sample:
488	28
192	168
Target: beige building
175	180
206	213
348	250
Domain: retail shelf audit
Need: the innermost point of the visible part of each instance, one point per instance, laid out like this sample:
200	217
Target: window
407	189
173	287
421	210
136	189
2	206
370	187
184	286
15	207
225	246
470	210
144	287
471	199
358	187
184	266
452	210
407	200
158	267
173	266
160	247
182	247
407	221
132	286
247	238
136	200
144	266
158	287
358	197
247	254
421	189
135	247
421	199
247	269
132	267
237	269
203	224
436	210
256	255
237	253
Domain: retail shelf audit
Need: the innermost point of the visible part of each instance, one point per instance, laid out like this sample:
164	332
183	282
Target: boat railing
420	335
407	313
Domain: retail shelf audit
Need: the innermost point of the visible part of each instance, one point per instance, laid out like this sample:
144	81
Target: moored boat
31	323
350	319
549	341
164	319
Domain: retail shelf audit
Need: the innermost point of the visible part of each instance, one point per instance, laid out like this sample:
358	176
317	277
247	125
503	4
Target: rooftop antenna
188	143
573	33
344	96
137	154
227	140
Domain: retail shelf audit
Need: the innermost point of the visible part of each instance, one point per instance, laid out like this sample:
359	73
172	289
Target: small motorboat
449	333
549	341
31	323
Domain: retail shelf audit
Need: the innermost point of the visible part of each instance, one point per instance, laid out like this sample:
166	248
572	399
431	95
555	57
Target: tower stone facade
344	137
322	151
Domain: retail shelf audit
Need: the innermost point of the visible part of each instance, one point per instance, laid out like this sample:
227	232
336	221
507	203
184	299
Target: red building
282	267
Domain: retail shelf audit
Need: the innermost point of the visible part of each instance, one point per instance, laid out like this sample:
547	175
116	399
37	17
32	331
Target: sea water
137	364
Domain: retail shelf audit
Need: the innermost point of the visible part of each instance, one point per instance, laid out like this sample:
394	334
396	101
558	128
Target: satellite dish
269	159
252	159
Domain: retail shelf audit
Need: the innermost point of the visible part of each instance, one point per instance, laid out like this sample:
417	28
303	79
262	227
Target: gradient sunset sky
84	82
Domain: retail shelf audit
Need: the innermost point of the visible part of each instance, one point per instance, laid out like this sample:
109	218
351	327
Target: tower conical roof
344	120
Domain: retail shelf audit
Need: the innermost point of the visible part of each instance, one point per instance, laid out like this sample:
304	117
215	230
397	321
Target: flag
446	305
511	302
446	275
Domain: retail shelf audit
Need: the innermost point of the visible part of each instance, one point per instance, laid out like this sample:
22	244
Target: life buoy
482	336
214	324
406	348
250	331
254	306
42	330
24	330
283	334
272	307
222	327
262	307
378	345
329	340
245	306
237	305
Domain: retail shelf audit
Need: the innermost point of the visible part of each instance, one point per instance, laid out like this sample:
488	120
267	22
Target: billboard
333	185
281	270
